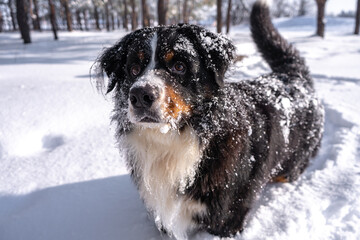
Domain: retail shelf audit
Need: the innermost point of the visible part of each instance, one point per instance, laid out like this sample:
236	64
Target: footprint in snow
50	142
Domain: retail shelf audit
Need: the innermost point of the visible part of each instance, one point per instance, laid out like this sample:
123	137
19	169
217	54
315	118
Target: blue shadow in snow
103	209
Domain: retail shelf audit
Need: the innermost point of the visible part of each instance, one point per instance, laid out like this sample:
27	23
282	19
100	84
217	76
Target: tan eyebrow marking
141	55
169	55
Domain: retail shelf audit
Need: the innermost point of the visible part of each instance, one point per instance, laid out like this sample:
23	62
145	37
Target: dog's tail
278	53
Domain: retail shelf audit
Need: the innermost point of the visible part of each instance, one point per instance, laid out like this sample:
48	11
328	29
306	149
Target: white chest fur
165	164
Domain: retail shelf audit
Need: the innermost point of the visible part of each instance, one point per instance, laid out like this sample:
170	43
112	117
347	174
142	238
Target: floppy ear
113	62
217	50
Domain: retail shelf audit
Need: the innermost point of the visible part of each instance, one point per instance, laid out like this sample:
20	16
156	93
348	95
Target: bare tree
107	16
133	15
303	5
36	16
228	17
145	14
65	4
219	16
112	15
320	17
85	19
125	18
53	18
357	16
96	15
12	15
78	19
1	21
185	12
22	19
162	10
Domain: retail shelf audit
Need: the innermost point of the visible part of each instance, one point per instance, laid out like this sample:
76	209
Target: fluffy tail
279	54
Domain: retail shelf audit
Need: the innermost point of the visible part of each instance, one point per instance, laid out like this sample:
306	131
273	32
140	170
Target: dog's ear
217	51
112	62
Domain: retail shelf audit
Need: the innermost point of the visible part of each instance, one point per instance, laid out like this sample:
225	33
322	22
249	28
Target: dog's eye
179	68
135	70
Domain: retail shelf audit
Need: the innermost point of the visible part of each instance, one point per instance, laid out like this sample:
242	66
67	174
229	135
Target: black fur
250	132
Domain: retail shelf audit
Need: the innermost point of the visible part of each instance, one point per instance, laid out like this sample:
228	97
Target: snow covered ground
61	176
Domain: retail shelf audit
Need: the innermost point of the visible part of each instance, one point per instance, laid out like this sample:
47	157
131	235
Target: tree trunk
111	12
162	9
302	8
228	17
125	21
37	25
86	19
320	18
133	15
22	19
118	20
12	14
96	16
145	14
34	14
219	16
1	21
67	14
357	16
78	19
53	18
107	17
185	12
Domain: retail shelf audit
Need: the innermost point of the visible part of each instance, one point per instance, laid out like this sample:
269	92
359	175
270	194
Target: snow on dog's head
159	73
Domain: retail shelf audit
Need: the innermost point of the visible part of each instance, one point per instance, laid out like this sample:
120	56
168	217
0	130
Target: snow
62	177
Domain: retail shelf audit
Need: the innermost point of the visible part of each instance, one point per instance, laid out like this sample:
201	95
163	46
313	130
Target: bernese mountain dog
200	149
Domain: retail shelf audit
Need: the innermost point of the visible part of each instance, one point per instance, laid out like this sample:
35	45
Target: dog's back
288	95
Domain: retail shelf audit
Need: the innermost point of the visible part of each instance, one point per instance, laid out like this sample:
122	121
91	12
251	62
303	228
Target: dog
200	149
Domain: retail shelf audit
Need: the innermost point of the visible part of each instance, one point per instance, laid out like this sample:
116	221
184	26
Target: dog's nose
143	97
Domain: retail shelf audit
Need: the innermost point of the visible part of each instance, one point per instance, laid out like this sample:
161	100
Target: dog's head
160	74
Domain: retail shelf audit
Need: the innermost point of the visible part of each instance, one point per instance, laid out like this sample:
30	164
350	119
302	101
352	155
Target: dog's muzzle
142	99
146	99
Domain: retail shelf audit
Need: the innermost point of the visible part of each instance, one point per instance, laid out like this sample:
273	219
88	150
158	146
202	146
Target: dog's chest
163	165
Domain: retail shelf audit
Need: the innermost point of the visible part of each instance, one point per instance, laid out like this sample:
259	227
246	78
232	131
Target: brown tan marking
168	56
280	179
141	55
175	104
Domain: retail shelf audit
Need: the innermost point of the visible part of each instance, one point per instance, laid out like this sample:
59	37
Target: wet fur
233	139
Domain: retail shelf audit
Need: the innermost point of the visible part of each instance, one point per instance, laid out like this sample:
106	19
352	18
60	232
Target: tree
228	16
1	21
303	8
145	14
219	16
107	16
22	19
36	16
162	10
96	14
65	4
12	15
125	18
320	31
357	16
133	15
78	19
86	19
185	12
53	18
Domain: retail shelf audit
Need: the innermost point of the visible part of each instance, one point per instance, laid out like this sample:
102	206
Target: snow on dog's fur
200	149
